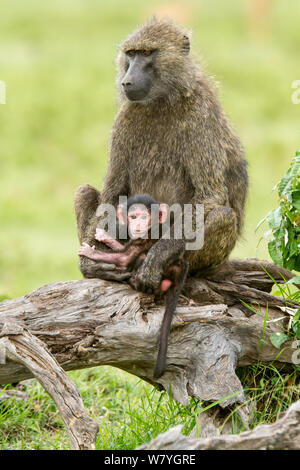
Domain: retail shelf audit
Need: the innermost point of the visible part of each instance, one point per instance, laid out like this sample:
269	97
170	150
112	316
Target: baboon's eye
147	52
131	52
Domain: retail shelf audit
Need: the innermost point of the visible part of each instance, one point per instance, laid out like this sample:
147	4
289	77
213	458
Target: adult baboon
170	139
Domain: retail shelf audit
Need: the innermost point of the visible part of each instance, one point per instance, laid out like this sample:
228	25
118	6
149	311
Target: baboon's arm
116	178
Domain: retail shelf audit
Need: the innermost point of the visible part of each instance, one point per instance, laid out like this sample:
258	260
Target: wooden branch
22	347
94	322
282	435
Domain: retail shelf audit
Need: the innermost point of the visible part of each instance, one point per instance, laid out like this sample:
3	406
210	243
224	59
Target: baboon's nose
126	84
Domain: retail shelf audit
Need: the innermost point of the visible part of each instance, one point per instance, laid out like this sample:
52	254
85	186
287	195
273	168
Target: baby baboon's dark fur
177	145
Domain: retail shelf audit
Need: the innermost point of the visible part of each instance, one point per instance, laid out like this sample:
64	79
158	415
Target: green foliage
129	412
270	390
290	333
293	330
284	221
284	248
278	339
296	325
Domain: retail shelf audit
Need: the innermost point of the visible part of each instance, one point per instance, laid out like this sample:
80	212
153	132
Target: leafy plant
284	248
284	221
279	338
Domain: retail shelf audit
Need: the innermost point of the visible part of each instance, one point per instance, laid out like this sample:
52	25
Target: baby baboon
136	215
139	214
170	139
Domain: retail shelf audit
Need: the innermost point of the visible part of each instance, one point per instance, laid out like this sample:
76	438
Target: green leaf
275	252
293	247
297	315
284	221
297	263
296	199
294	280
296	329
262	383
286	184
289	263
277	339
274	218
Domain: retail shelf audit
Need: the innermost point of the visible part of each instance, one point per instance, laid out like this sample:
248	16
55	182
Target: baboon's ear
120	211
163	213
186	45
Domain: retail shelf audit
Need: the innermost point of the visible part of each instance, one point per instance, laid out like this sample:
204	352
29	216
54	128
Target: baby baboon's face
139	221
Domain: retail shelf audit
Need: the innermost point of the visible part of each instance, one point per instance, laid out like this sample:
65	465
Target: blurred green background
57	59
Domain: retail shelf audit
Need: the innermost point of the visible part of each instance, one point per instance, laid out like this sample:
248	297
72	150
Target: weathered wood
93	322
96	322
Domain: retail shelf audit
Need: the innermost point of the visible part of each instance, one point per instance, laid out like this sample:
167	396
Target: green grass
57	59
270	391
130	412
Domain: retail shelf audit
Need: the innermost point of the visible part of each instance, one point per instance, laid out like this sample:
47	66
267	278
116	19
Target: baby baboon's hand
86	250
101	235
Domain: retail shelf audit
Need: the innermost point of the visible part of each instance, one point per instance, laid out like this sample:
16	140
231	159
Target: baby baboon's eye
131	52
147	52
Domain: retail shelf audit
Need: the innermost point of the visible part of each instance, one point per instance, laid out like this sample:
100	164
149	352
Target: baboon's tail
171	302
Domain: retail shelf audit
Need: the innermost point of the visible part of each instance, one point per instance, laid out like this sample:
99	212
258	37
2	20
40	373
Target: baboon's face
139	221
138	79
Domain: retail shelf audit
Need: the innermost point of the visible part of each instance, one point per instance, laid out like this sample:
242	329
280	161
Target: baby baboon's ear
186	45
163	213
120	214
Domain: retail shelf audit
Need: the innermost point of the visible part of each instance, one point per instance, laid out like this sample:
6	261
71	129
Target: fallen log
78	324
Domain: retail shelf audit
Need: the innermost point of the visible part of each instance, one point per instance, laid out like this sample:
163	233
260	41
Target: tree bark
79	324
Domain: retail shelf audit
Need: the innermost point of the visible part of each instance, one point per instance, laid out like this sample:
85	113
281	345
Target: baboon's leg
220	236
87	199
